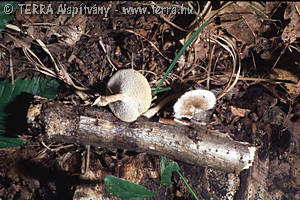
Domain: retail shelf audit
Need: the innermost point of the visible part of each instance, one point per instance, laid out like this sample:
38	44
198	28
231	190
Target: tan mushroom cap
136	93
193	103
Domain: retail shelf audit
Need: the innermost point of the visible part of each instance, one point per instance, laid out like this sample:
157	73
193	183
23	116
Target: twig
106	54
171	23
231	48
95	126
151	43
281	53
11	70
209	66
152	111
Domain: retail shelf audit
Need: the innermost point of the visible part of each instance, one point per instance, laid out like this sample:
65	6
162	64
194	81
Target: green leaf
7	11
48	88
161	90
9	93
163	164
124	189
167	173
6	142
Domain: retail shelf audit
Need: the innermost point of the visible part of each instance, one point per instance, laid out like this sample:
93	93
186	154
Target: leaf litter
260	94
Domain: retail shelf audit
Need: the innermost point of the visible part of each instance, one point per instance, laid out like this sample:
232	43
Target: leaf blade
124	189
6	142
36	86
167	173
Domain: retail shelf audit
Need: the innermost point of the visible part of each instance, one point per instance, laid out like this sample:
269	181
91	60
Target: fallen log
95	126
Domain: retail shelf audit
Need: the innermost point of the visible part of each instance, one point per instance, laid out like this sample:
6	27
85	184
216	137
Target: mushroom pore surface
136	94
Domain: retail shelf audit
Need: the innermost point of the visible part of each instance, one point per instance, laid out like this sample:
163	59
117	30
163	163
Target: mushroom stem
152	111
104	100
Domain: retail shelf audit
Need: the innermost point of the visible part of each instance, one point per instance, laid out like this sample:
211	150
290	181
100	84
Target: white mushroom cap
136	93
194	103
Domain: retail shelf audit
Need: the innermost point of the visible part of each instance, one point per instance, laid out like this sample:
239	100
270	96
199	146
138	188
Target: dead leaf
74	28
272	7
242	21
201	48
68	30
292	31
241	112
293	88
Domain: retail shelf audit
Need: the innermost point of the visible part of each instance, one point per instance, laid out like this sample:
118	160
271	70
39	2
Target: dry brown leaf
294	88
74	28
272	6
241	112
292	31
201	49
68	30
241	21
286	75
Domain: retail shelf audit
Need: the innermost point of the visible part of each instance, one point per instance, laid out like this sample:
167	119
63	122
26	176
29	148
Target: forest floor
261	108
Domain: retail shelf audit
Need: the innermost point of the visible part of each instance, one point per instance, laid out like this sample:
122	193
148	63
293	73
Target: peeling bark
95	126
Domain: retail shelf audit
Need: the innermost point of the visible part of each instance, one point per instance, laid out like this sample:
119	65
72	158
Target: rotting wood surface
95	126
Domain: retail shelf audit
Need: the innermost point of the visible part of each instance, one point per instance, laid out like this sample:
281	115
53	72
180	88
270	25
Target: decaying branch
98	127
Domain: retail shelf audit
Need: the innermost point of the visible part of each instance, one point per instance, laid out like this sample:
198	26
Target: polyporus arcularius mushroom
129	95
194	104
